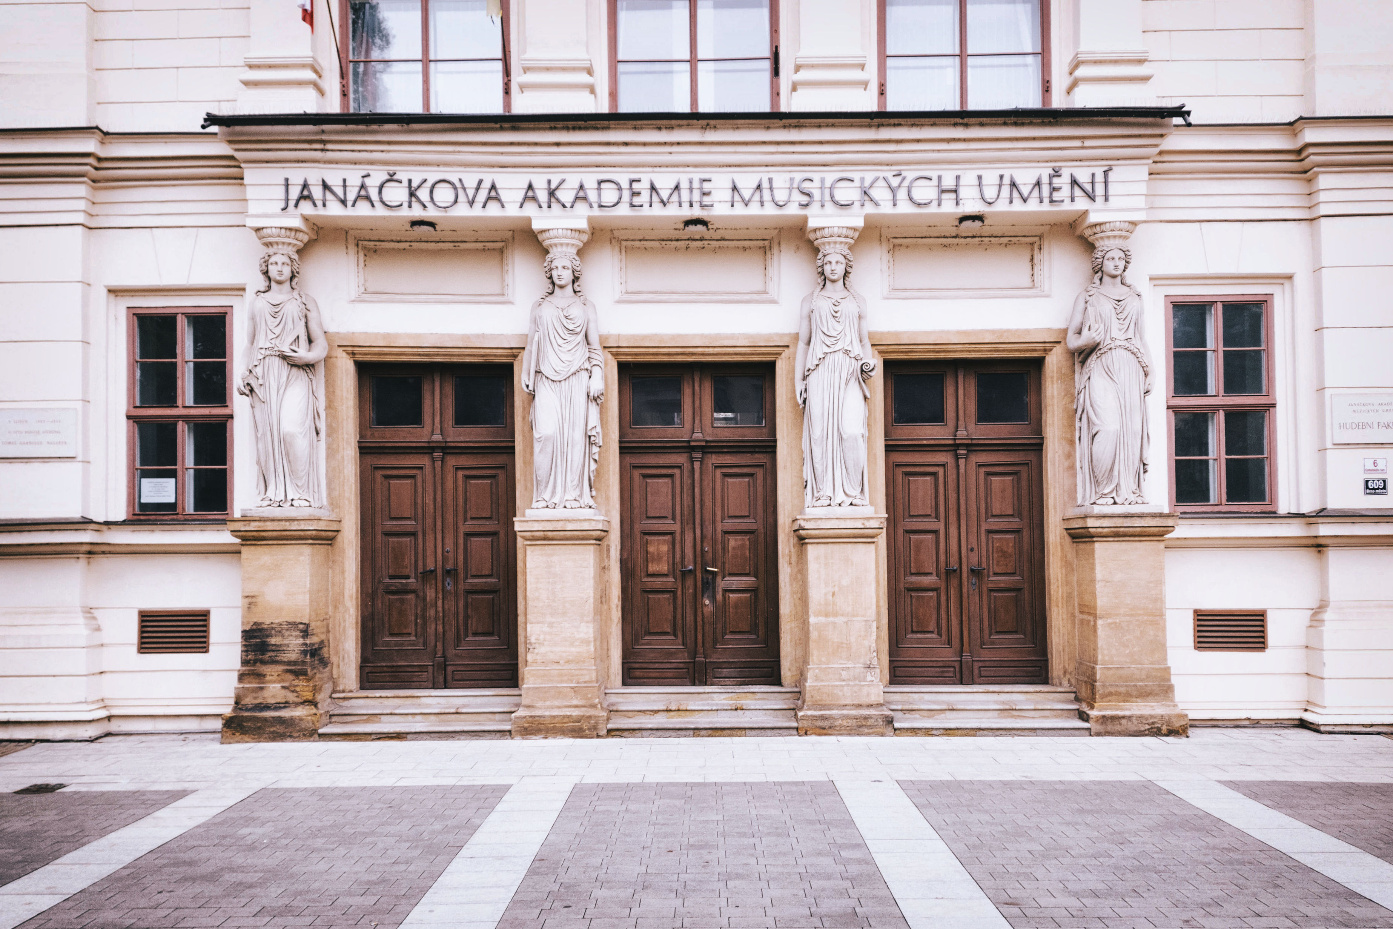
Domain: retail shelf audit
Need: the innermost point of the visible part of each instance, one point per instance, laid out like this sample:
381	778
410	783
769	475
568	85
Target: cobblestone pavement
1230	828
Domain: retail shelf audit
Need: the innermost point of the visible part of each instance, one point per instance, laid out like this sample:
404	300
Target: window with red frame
1221	401
426	56
963	54
180	413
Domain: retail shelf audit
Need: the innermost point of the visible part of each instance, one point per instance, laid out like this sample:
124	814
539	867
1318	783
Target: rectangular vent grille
1231	631
164	633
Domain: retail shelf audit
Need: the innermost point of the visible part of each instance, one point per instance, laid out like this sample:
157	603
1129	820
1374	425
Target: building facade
586	367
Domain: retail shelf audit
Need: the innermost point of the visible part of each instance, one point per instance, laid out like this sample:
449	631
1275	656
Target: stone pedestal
842	690
284	683
560	605
1123	674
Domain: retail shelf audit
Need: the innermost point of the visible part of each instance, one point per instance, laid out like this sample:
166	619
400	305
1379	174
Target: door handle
950	569
976	568
687	570
424	571
711	569
708	584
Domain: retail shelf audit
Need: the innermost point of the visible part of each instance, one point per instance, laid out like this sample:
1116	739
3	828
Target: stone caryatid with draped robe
832	366
1112	379
563	370
285	344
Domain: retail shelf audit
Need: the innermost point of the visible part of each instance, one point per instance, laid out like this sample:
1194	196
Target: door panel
478	589
398	522
659	645
742	566
925	644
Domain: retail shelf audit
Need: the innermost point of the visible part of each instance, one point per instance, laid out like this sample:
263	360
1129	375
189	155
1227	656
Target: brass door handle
711	569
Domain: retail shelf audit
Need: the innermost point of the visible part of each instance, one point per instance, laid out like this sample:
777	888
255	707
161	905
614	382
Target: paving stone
1360	814
1129	851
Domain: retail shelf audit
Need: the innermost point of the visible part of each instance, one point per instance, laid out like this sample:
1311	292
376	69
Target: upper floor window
427	56
679	56
963	54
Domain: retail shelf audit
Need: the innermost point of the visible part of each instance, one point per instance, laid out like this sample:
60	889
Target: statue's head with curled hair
265	265
556	258
833	248
1101	252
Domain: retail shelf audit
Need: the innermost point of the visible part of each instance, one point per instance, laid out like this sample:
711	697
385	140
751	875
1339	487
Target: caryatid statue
284	379
563	370
832	366
1112	377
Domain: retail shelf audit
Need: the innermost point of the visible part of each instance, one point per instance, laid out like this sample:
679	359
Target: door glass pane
1245	480
156	383
206	383
206	490
733	86
1194	373
921	27
653	29
917	399
206	336
157	445
205	444
1194	435
655	87
386	87
154	336
481	400
921	84
1003	26
1243	325
657	401
737	400
396	401
1192	325
463	29
1243	372
1245	432
1001	82
466	87
1195	481
384	29
732	29
1003	397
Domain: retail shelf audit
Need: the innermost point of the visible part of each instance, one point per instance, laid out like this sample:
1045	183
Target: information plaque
38	432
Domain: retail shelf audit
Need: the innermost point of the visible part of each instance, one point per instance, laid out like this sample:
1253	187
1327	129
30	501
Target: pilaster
833	61
281	74
1109	67
1349	643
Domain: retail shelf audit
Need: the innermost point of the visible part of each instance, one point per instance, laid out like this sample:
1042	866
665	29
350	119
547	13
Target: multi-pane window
1221	401
180	414
962	54
678	56
436	56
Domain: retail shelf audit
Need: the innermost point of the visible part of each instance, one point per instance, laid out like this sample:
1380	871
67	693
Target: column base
531	723
1137	720
851	720
251	727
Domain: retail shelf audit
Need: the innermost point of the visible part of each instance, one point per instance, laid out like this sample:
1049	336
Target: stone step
692	710
1011	708
459	713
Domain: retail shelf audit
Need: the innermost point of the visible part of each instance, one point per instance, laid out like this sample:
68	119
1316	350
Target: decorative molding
758	244
893	245
416	246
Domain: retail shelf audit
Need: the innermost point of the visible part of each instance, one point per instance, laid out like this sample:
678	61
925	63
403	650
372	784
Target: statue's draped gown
285	408
1110	410
834	427
565	422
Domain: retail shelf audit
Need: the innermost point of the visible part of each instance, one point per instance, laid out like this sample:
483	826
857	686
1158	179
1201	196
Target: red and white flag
307	13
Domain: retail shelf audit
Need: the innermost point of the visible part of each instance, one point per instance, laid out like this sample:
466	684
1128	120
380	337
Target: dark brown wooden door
438	559
698	552
966	547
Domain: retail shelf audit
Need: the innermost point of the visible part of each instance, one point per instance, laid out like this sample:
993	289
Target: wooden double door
699	557
966	547
438	554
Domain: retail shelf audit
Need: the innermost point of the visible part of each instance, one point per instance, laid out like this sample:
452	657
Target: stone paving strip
1356	869
54	883
331	857
932	888
474	890
1360	814
1129	854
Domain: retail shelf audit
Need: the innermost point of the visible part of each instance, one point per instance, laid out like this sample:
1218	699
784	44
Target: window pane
396	401
156	383
481	400
917	399
657	401
157	445
1194	435
738	400
206	490
732	29
1003	82
384	29
206	444
1192	325
206	383
466	87
921	27
1243	372
156	491
206	336
155	336
654	29
1245	480
463	29
387	87
733	86
1245	432
921	84
1194	374
1002	26
1243	325
1195	482
656	87
1003	398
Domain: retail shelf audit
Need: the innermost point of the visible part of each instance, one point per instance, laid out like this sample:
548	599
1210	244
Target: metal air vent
1231	631
163	633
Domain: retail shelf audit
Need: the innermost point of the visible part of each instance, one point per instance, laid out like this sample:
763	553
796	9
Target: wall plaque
38	433
1361	419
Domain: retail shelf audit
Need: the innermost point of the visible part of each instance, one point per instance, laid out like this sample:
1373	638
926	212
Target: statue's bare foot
1105	501
572	505
858	501
301	501
822	501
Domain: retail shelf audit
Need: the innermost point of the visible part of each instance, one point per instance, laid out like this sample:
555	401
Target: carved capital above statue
1107	233
284	240
825	237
